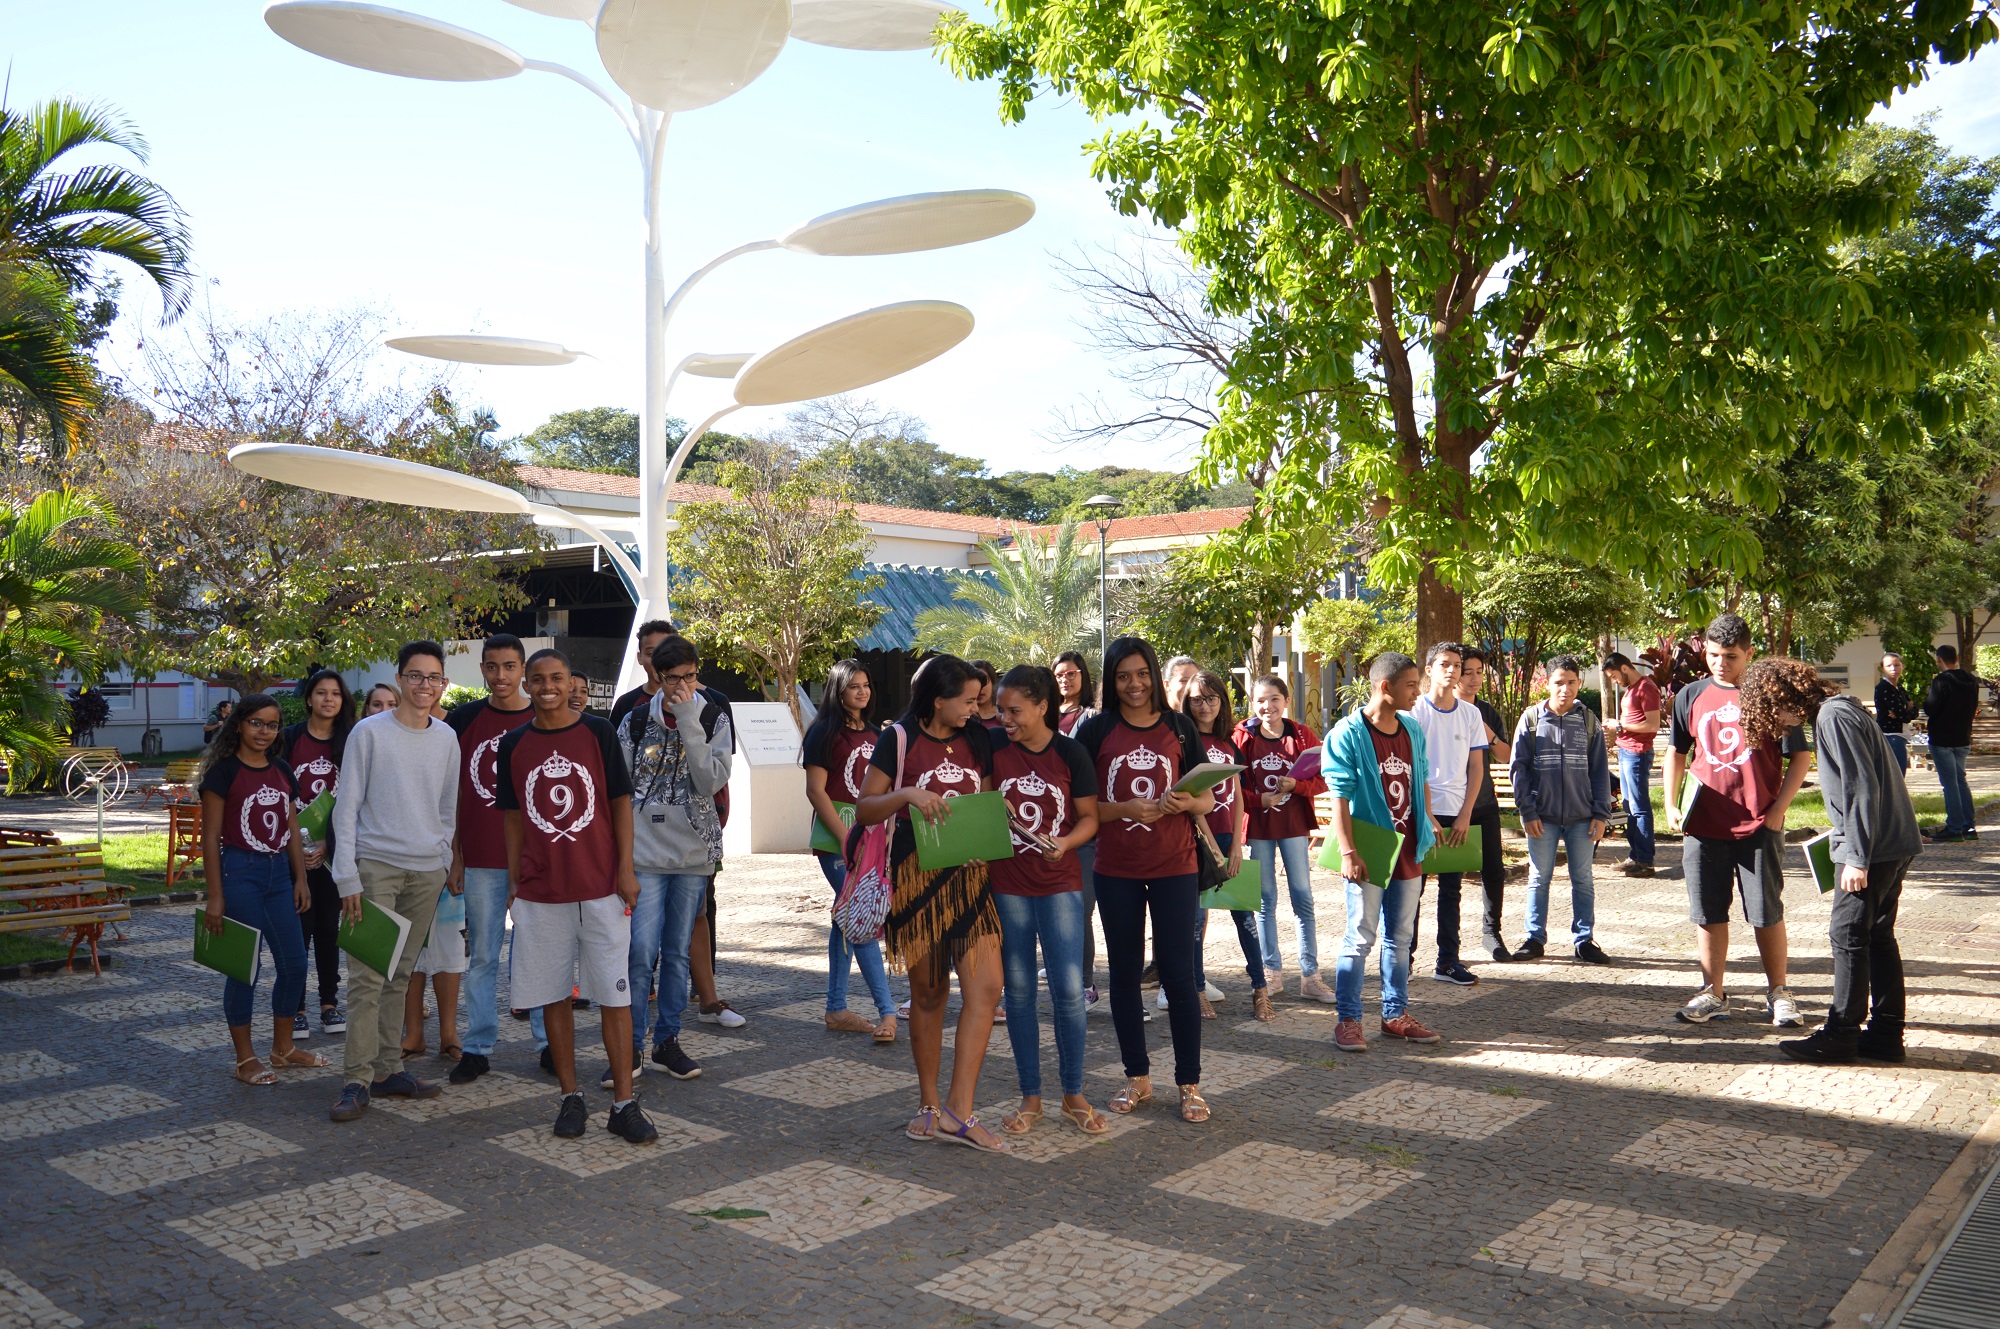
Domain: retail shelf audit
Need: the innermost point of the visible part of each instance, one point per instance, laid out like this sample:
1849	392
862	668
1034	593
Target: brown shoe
847	1022
885	1032
1260	1004
1207	1011
1406	1028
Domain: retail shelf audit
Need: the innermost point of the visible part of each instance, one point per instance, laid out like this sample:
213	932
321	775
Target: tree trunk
788	690
1440	611
1258	662
1785	637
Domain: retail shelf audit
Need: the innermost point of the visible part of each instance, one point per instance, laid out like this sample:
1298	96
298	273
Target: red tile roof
627	486
1203	521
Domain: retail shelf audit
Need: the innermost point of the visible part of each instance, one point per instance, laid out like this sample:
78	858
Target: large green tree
60	219
1420	214
1039	601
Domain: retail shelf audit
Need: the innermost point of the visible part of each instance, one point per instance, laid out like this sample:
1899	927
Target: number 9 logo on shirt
562	798
264	811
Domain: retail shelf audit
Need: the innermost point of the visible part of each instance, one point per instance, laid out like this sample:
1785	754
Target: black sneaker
630	1125
1527	950
1498	950
332	1020
1149	977
1456	973
605	1081
1632	867
1589	952
572	1117
677	1063
1821	1047
548	1062
471	1065
518	1012
1871	1046
405	1085
353	1102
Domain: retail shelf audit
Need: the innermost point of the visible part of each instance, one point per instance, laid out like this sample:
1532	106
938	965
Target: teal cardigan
1347	762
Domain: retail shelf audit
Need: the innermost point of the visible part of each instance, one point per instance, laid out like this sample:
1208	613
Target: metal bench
60	886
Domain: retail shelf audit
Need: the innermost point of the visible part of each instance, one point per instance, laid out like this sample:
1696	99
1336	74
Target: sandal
1260	1004
297	1056
1132	1097
964	1134
928	1116
885	1032
264	1074
416	1051
451	1052
1020	1121
1088	1120
1193	1106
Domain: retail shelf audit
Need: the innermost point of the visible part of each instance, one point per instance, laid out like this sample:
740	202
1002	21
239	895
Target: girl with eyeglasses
255	872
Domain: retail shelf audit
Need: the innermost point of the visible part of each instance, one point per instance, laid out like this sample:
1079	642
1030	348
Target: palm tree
60	574
55	226
1033	609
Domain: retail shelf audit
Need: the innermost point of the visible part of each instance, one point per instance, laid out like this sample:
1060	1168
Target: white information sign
767	786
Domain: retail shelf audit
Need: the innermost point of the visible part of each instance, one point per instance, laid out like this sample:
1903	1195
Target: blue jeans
1385	912
1575	838
1058	923
1635	772
662	926
485	928
257	892
1950	763
1246	935
840	953
1298	875
1900	745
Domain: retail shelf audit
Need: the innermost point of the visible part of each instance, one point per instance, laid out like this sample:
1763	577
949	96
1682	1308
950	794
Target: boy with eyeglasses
393	826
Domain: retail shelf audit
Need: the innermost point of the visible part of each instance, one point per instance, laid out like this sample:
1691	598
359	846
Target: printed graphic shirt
1041	789
1396	761
1738	781
1134	765
313	766
844	755
480	725
951	767
1228	794
256	803
562	782
1269	760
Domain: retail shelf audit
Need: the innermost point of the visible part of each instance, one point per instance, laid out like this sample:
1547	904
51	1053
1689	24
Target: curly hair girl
1778	693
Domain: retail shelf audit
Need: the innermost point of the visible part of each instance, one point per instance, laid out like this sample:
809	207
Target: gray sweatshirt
1559	768
398	799
676	770
1866	799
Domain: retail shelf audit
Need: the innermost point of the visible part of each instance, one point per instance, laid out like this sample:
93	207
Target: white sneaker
1042	975
1213	993
1705	1006
1161	1000
1092	1001
1784	1011
1314	988
725	1017
903	1010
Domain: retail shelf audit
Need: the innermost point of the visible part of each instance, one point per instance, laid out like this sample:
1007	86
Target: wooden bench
183	843
177	787
60	886
11	836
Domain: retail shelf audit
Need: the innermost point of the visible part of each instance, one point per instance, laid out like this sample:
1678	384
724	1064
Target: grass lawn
24	947
140	861
1809	808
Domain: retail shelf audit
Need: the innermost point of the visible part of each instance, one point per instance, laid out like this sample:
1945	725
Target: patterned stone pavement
1569	1156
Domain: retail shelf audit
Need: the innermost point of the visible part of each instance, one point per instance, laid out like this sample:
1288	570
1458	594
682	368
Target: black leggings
1175	901
321	924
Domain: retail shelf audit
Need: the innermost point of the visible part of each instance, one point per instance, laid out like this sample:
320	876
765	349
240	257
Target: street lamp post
1103	508
665	56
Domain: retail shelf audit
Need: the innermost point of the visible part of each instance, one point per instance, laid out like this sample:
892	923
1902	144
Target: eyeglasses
678	677
263	726
1202	699
424	680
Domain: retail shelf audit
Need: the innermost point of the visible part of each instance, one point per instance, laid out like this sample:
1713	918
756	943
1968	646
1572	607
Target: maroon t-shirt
256	803
563	782
1041	789
1270	760
950	767
1067	722
482	834
1738	780
1134	765
844	755
1396	760
1228	796
313	766
1641	697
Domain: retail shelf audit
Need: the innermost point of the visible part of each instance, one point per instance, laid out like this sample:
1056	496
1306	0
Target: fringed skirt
943	912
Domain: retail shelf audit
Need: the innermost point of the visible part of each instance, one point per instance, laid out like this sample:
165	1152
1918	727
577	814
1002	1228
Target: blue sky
512	207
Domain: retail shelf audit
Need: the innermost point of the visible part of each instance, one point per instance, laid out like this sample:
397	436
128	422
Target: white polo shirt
1451	736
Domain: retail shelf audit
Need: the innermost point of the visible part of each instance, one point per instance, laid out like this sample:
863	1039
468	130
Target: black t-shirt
1489	798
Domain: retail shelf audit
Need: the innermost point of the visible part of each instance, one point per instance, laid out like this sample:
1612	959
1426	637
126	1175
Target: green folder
1819	857
1379	850
316	817
975	831
238	953
1690	790
1245	890
1455	858
378	939
1206	776
822	838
